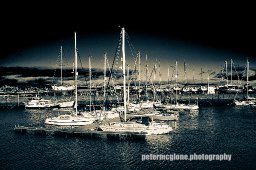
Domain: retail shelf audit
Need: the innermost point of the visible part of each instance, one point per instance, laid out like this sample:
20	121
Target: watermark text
187	157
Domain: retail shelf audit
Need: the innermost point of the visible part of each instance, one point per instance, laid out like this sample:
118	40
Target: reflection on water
212	130
193	113
188	120
159	142
209	121
35	116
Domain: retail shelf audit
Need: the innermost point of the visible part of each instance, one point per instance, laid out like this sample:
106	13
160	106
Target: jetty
15	101
80	132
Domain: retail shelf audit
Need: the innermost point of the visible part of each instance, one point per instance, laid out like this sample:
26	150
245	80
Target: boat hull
63	88
66	104
132	127
68	120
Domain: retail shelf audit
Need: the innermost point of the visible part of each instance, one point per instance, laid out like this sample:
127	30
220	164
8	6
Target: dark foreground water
212	130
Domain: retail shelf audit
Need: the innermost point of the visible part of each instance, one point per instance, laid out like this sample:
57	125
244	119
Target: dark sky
222	27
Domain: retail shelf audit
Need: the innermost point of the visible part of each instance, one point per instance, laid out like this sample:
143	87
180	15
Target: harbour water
211	130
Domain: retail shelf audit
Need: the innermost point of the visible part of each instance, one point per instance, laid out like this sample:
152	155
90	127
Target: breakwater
16	101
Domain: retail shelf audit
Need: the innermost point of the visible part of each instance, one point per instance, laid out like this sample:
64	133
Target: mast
104	81
168	71
208	78
185	72
231	63
76	74
226	65
222	73
247	79
61	65
154	85
193	76
159	73
128	84
201	75
139	76
146	76
90	78
154	78
124	89
176	76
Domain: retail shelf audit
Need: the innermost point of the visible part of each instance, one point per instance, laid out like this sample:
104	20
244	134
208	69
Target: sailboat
249	100
146	128
180	106
74	119
61	87
106	114
99	114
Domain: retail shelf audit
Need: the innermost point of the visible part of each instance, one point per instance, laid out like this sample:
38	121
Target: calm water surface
212	130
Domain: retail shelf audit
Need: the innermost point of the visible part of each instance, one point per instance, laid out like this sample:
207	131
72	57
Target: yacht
69	120
248	100
180	106
73	119
147	128
150	129
60	87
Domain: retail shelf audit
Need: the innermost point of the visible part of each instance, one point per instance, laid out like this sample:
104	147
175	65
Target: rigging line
115	56
236	72
173	73
131	76
244	72
113	83
132	49
153	71
58	60
78	54
130	44
109	69
223	71
243	75
135	67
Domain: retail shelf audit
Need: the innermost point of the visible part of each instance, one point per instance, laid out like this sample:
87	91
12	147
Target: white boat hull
244	103
40	104
68	120
182	107
163	117
63	88
66	104
153	128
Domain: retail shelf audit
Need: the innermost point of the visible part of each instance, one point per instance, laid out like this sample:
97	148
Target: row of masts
125	97
139	71
146	83
159	74
125	75
231	72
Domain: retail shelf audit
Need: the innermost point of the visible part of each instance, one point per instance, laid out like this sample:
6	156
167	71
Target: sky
202	37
